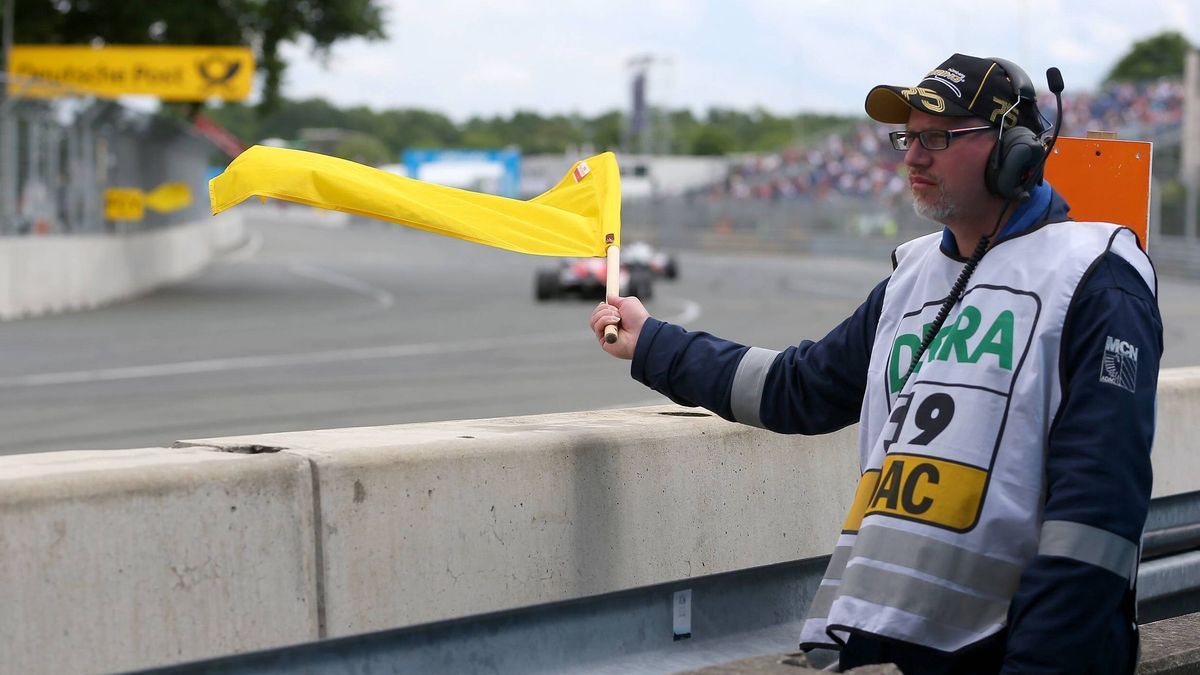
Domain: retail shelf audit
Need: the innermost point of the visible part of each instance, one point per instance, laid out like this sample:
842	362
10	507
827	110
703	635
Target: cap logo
1003	108
949	77
927	97
949	85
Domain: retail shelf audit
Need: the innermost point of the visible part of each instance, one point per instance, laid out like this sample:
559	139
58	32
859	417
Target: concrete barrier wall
431	521
51	274
121	559
1176	462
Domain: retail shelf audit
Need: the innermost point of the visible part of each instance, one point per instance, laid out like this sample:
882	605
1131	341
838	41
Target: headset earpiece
1015	166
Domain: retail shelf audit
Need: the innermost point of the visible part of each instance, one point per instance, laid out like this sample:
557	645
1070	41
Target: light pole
8	160
649	129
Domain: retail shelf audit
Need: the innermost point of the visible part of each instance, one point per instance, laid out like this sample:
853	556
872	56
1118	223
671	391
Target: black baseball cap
962	86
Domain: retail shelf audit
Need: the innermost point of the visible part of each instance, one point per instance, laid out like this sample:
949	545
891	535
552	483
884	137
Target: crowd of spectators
862	163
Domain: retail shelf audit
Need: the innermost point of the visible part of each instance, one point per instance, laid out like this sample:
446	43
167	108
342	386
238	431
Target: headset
1016	165
1014	168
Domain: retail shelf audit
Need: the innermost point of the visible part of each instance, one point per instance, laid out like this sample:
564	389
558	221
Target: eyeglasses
931	139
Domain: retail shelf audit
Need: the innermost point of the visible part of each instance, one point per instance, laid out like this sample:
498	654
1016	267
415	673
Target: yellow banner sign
169	197
170	73
124	204
131	203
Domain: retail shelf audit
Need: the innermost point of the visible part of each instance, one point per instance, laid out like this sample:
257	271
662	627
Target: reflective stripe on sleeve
1087	544
746	396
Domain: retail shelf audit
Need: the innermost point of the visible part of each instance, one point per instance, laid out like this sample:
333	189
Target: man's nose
917	155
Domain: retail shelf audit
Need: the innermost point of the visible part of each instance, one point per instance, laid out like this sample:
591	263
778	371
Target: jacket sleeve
811	388
1073	609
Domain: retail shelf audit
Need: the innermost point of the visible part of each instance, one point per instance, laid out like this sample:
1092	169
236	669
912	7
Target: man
1005	451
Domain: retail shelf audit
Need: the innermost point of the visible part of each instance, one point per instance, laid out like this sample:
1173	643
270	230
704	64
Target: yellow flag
578	217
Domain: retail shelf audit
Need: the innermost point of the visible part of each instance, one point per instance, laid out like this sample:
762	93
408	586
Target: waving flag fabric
579	217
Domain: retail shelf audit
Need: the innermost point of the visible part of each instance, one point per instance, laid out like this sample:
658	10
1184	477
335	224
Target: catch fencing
59	156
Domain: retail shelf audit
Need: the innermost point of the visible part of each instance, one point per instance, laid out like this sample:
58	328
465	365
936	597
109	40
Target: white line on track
380	296
268	361
247	250
690	311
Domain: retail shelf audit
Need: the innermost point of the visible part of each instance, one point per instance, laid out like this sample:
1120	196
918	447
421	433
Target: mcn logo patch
1119	365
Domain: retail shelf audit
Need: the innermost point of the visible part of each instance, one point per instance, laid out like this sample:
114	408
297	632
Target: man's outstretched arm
811	388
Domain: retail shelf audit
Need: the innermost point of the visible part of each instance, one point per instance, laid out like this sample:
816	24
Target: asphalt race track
316	323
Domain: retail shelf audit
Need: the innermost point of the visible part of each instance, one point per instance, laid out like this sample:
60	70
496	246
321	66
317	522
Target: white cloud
500	74
1069	51
475	57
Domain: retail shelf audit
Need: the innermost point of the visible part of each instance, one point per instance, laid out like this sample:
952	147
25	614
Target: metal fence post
1190	166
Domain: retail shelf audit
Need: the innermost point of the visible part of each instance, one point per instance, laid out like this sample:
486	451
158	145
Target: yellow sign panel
170	73
169	197
933	491
131	203
124	204
938	492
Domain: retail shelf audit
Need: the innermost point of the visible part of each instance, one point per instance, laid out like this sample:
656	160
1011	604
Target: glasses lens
899	140
935	139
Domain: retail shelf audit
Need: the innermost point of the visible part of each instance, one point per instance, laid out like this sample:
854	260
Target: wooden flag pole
612	287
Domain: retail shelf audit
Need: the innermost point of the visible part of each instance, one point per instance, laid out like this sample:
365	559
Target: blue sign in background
510	160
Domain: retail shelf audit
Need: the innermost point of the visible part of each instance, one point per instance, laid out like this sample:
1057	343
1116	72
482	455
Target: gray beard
941	211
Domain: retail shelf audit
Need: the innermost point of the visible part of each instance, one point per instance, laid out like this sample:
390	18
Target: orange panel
1104	180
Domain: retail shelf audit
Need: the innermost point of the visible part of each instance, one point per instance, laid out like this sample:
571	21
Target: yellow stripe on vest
933	491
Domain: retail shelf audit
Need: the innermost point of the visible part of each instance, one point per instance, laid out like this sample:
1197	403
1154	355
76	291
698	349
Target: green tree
261	24
721	131
713	139
416	128
364	149
1158	56
604	131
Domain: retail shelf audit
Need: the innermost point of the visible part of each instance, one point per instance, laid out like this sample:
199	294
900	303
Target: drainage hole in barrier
253	449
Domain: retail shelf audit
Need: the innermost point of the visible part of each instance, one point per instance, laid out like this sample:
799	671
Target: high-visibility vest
948	510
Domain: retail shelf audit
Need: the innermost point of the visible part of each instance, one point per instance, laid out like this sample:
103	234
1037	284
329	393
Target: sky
467	58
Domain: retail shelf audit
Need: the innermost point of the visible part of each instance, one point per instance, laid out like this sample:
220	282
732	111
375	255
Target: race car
643	255
586	277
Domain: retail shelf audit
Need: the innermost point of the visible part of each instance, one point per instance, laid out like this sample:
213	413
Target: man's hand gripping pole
612	287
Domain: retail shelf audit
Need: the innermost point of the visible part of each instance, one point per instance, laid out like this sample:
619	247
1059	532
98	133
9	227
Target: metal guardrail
1171	540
